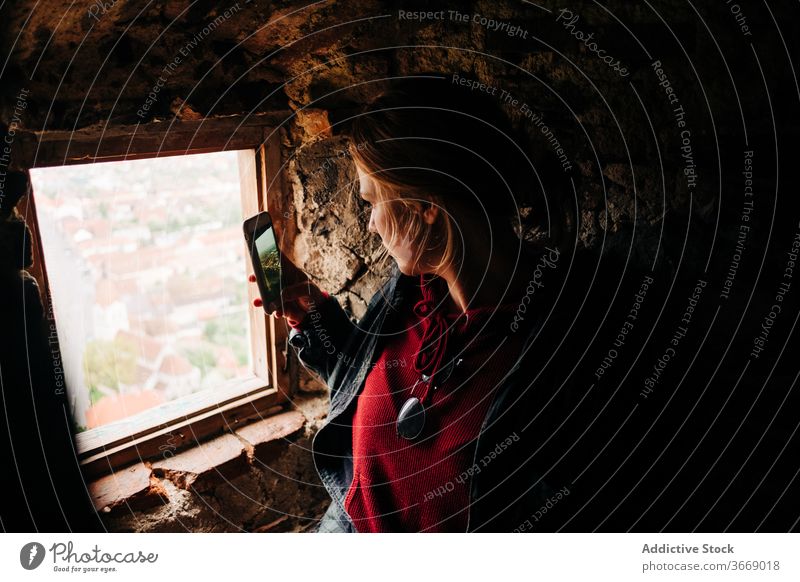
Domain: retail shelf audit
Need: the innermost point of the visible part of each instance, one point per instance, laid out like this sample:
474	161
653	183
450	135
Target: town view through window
146	264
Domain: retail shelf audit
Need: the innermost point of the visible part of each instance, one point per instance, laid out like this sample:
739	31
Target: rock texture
260	478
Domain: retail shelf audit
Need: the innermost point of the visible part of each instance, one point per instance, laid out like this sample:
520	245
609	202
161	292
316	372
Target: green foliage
242	351
231	331
201	358
212	330
156	227
225	329
107	364
271	265
95	395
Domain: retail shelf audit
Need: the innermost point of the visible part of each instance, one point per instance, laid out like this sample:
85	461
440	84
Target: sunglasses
411	418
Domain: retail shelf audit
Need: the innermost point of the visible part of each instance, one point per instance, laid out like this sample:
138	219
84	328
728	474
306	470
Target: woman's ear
430	212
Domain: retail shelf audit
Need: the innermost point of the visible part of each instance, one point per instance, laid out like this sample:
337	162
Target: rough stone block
206	465
314	123
134	487
267	436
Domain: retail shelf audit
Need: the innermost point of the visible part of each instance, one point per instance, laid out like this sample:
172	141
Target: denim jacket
507	487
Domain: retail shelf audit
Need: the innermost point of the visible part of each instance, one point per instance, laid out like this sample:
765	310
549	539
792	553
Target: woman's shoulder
391	291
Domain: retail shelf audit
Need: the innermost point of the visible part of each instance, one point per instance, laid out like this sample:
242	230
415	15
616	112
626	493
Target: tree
202	358
107	364
271	265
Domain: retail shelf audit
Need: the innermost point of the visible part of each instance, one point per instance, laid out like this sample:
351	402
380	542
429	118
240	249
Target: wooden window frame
186	421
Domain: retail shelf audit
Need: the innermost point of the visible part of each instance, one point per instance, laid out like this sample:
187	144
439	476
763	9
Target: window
139	246
147	276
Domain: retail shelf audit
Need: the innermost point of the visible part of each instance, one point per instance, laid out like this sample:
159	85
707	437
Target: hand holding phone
285	290
297	300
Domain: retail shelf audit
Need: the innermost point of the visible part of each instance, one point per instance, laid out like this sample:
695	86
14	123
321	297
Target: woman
419	435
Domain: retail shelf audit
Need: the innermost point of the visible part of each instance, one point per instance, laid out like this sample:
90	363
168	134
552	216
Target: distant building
160	368
176	377
109	313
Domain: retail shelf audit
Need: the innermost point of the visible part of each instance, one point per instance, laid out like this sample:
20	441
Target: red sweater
423	485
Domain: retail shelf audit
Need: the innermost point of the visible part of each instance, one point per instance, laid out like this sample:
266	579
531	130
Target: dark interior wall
122	63
89	64
105	63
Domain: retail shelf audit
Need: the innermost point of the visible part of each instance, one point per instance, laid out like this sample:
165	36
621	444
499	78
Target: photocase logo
31	555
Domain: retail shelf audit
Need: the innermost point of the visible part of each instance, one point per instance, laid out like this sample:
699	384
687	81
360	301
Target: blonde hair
403	206
424	140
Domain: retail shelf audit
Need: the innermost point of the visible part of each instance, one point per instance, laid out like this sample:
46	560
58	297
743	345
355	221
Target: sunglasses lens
411	419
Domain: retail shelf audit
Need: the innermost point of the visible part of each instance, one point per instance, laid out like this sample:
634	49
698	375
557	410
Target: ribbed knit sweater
423	485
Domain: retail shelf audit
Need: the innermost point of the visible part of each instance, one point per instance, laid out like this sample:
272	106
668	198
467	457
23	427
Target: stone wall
99	65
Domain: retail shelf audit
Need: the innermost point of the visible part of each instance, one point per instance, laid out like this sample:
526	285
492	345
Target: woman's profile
427	431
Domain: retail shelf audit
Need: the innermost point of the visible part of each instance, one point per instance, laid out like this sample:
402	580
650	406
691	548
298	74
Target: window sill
174	426
198	468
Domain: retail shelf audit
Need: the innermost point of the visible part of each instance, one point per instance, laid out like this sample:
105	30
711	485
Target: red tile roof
111	408
175	365
146	347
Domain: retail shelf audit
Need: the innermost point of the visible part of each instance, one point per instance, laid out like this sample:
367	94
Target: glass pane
146	264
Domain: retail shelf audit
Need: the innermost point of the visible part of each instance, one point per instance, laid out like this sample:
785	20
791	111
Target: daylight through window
146	265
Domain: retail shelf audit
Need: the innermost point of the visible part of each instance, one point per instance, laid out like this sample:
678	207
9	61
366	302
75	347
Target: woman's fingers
296	300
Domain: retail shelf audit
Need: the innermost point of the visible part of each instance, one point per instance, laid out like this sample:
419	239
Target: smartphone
265	255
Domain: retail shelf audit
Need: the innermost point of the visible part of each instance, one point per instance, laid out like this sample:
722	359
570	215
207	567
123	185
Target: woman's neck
491	274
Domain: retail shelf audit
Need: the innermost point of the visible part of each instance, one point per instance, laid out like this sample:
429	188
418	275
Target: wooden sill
198	469
175	425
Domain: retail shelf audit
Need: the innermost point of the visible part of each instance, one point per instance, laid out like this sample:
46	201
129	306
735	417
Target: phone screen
270	262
